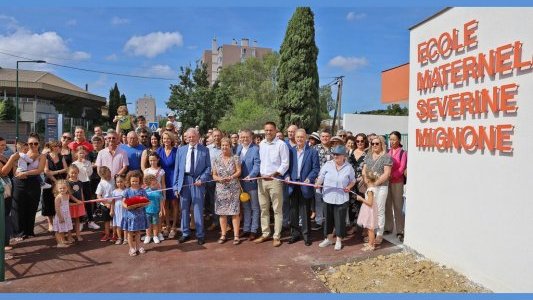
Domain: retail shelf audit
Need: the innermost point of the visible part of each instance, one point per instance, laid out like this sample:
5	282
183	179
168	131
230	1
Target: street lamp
17	94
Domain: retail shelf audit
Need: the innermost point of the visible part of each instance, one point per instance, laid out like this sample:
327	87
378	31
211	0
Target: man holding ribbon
192	170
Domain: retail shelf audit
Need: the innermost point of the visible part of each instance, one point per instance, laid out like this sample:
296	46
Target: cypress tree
297	98
114	102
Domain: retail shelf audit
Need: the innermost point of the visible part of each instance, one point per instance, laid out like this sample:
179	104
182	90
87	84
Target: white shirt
300	154
158	173
86	170
335	181
243	151
105	189
274	157
188	160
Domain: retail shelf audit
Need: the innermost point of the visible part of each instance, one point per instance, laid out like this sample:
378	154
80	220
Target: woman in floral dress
226	171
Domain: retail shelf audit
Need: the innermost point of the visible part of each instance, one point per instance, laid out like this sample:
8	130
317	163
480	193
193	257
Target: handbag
244	196
8	187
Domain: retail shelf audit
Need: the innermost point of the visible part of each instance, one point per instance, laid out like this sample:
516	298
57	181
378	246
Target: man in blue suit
304	167
193	169
249	155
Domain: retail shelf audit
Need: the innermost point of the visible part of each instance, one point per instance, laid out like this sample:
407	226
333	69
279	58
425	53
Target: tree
251	85
123	100
298	73
195	101
114	102
327	103
7	110
392	110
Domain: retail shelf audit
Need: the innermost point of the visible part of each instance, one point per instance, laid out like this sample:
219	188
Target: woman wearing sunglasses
356	158
379	162
66	138
27	189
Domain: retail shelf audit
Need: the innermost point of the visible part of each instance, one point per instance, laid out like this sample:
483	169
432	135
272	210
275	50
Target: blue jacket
310	170
249	166
202	169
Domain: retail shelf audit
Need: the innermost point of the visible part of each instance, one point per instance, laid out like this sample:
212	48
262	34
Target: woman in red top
395	200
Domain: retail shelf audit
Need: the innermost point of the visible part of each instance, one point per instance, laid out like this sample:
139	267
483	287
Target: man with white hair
192	170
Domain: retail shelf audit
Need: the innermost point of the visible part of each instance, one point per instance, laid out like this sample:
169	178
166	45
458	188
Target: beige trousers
271	192
394	204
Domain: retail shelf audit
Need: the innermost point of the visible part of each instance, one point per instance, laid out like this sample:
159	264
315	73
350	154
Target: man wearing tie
192	170
304	167
249	155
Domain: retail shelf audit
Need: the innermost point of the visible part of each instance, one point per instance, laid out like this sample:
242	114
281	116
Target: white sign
470	140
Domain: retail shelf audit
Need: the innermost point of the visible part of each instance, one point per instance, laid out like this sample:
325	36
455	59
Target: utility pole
337	105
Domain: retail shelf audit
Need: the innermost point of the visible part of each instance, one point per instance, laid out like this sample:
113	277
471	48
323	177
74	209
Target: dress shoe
252	236
183	239
245	234
276	242
200	242
261	239
294	239
308	243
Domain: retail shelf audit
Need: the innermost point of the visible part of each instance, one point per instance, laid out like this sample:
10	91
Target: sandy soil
402	272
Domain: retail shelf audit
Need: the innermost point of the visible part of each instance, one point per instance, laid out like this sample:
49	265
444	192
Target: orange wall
395	84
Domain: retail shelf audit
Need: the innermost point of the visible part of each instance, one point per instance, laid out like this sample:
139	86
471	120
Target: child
156	170
105	190
117	211
124	120
86	170
134	219
368	215
76	210
154	210
62	222
24	161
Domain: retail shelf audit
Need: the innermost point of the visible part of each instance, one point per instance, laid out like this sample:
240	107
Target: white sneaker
147	239
326	242
160	237
156	240
46	186
93	225
141	250
338	245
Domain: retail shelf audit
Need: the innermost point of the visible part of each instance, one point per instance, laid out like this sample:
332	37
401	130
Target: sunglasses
66	137
342	135
111	138
376	144
33	144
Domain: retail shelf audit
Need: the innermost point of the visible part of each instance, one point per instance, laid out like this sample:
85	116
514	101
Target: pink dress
368	215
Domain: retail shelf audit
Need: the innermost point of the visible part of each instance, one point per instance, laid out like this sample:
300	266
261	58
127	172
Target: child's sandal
133	252
236	241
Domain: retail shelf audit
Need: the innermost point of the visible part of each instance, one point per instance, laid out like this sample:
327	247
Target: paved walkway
94	266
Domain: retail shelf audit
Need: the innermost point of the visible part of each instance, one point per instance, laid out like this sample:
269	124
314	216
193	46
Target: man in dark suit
304	167
249	155
192	170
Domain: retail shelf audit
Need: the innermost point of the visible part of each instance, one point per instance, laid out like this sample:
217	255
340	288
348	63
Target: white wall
374	124
474	212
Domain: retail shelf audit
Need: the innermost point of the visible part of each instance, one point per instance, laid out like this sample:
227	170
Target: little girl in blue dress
134	219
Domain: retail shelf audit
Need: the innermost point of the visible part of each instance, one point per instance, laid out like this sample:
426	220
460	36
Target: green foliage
392	110
114	102
163	122
8	110
327	103
252	88
195	102
297	98
247	114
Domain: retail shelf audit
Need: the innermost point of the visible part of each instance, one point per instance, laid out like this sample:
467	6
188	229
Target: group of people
308	181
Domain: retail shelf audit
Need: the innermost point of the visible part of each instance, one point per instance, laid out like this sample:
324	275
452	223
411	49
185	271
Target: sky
357	43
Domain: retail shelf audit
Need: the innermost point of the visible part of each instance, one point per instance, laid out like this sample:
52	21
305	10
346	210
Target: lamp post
17	94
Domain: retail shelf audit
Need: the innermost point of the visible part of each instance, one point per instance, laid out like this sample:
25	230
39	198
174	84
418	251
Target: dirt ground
402	272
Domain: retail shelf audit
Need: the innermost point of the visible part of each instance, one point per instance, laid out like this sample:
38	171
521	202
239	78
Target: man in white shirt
274	156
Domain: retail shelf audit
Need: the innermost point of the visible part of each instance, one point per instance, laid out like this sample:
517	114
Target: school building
469	87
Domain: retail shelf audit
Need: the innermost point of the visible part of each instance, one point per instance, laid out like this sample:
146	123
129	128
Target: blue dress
134	219
167	163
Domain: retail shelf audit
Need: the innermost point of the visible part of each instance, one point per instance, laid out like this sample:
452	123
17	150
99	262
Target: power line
93	71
